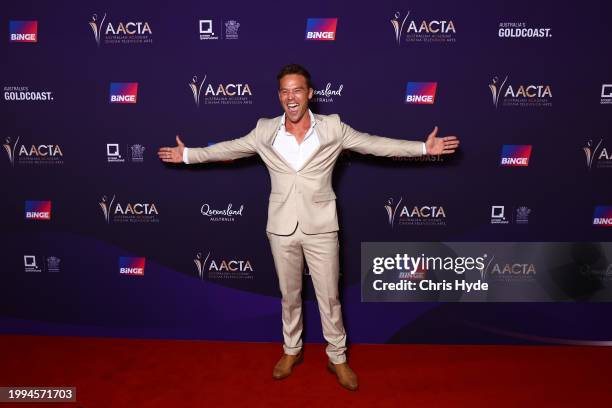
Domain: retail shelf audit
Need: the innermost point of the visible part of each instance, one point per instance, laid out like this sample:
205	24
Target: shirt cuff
185	156
424	150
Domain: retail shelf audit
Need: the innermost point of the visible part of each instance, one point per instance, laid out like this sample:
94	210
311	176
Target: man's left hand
440	145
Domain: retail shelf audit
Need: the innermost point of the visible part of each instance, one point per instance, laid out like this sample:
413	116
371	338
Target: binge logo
421	93
321	29
603	216
23	31
515	155
131	266
123	92
38	210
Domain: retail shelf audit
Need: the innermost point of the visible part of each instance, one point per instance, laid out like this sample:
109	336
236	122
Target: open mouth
292	107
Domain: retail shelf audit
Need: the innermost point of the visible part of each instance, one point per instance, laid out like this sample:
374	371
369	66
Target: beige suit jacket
304	197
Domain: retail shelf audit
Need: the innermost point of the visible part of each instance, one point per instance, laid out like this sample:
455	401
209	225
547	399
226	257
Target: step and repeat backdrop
505	241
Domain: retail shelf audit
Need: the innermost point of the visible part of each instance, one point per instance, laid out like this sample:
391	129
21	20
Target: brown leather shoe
285	365
346	376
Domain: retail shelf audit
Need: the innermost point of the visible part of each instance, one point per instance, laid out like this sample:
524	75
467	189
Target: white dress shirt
293	152
287	146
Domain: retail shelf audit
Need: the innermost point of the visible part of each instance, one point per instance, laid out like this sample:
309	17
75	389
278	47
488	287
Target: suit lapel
271	134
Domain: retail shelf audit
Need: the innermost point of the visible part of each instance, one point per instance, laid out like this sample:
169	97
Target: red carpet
172	373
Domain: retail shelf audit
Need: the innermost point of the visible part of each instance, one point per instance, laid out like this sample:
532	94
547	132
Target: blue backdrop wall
84	194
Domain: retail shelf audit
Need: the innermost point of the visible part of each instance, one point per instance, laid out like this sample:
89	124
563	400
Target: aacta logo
128	212
38	210
123	92
221	93
32	154
130	32
431	27
522	95
23	31
321	29
597	154
515	155
439	31
222	268
603	216
513	269
421	93
129	28
529	91
415	215
131	266
510	272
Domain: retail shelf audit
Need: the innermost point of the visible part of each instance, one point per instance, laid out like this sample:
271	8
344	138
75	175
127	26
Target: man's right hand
172	154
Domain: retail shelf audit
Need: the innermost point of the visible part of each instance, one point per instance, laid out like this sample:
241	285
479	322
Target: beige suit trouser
322	256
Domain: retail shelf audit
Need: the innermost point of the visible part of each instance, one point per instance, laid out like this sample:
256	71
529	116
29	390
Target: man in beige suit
300	150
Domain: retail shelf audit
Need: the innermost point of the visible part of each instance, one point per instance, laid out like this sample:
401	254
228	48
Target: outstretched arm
223	151
383	146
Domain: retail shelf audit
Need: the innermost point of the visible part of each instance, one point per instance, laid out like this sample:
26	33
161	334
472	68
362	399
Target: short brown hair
295	69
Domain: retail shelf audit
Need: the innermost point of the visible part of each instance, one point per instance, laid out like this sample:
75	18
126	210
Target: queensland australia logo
26	94
421	93
115	153
106	31
32	154
221	268
410	30
597	271
226	214
602	217
38	263
38	210
403	214
215	29
129	265
501	216
321	29
328	93
123	92
526	95
515	155
23	31
128	212
597	155
220	93
522	30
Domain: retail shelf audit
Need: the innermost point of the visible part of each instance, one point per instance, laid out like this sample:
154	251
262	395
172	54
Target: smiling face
294	95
